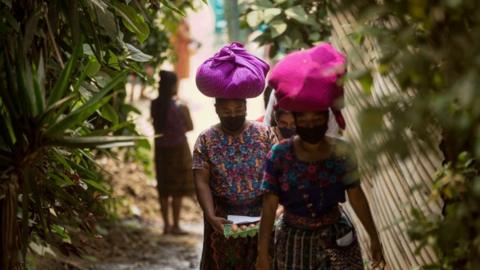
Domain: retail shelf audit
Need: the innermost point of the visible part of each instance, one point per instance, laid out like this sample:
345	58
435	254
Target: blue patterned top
310	189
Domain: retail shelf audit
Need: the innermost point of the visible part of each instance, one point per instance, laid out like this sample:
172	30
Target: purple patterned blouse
235	163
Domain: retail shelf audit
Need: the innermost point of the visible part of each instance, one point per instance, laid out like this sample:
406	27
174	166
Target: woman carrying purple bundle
228	157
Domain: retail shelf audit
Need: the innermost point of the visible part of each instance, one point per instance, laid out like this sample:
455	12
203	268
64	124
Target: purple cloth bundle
232	73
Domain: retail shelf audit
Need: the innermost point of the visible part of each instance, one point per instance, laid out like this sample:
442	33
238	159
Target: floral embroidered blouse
310	189
235	162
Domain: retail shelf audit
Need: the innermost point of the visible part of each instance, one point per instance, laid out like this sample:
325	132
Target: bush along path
135	240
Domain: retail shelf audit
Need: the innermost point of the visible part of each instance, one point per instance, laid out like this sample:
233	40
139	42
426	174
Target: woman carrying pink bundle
310	174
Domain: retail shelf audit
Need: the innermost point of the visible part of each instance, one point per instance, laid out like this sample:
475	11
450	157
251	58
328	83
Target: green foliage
63	68
287	25
455	236
163	24
431	48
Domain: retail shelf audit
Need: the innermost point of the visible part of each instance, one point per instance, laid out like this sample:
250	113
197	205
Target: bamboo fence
390	188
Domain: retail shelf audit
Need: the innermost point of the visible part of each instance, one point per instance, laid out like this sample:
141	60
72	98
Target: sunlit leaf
278	28
297	13
96	185
254	18
92	141
92	67
270	13
132	20
109	113
136	54
171	6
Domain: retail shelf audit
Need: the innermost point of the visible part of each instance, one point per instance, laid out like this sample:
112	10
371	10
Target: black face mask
287	132
312	134
232	123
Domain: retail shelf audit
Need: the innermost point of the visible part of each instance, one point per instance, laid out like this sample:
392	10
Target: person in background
228	157
281	121
173	161
182	42
284	124
310	174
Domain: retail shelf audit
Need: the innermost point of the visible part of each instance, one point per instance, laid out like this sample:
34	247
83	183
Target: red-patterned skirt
220	253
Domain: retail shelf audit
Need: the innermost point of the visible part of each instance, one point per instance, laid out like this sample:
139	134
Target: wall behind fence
391	188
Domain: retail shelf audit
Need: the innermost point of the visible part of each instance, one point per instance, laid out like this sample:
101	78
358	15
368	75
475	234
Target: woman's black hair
279	112
266	96
221	100
326	113
166	88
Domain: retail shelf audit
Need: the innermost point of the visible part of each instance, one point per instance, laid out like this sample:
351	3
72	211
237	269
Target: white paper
242	219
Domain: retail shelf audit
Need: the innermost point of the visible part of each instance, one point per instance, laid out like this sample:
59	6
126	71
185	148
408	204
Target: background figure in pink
181	43
173	161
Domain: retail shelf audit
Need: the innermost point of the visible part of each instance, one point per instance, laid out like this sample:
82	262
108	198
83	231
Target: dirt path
155	251
137	241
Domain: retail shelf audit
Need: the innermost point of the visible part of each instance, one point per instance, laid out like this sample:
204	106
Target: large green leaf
24	77
172	6
56	109
92	67
254	18
92	141
116	145
60	231
270	13
83	112
62	181
109	113
298	13
137	55
38	81
76	117
97	185
278	27
132	20
103	132
7	130
63	81
127	108
107	21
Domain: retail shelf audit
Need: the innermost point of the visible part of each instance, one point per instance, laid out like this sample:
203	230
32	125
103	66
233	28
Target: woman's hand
377	254
217	223
263	262
279	212
359	203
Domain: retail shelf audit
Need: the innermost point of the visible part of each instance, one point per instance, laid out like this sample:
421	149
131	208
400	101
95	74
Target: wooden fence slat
390	187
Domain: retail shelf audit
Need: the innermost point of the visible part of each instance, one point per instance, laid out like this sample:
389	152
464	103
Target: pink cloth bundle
308	80
232	73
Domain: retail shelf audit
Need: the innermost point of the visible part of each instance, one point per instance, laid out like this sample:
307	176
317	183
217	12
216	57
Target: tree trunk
8	226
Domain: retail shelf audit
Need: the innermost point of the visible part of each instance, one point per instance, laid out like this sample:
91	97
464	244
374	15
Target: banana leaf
83	112
92	141
63	81
51	110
